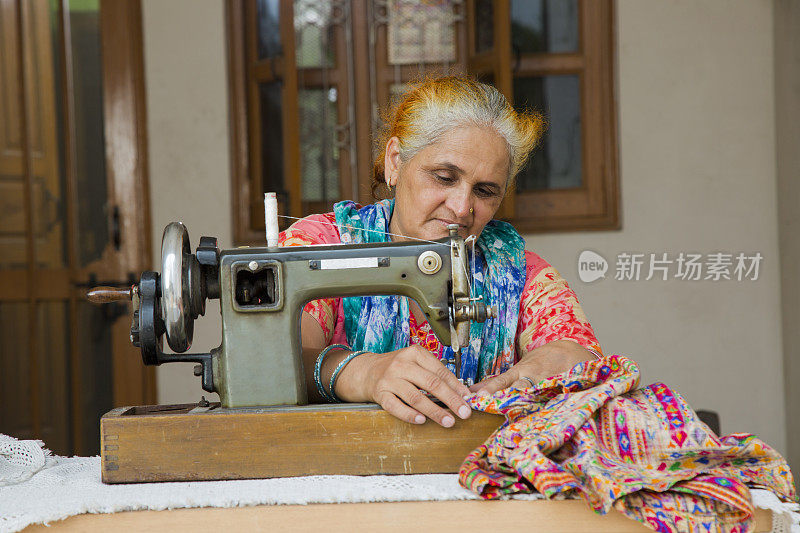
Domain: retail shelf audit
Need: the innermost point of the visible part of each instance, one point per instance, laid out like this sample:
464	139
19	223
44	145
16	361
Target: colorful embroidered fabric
380	324
377	324
549	309
643	452
424	336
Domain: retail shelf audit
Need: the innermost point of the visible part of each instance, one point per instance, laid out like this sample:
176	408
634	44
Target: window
304	126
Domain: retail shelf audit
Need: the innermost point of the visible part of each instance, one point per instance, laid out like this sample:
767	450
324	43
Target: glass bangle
338	370
318	371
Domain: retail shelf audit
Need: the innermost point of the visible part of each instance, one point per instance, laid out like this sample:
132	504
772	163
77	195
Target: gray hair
432	108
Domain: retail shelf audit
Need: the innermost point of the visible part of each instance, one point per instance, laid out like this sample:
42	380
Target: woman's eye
484	192
444	179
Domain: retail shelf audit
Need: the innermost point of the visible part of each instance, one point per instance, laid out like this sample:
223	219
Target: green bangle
318	371
338	370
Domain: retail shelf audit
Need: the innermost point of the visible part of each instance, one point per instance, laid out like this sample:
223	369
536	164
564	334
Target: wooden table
564	516
186	438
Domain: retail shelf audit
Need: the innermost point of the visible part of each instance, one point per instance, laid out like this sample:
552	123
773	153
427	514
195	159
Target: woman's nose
459	203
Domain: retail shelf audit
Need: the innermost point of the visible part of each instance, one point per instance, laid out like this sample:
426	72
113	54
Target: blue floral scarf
380	324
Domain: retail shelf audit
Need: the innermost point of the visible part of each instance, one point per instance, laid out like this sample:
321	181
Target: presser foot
467	382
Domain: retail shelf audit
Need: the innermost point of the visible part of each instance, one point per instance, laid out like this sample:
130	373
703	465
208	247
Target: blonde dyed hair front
433	107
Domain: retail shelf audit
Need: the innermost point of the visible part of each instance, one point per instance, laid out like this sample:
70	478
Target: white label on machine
348	262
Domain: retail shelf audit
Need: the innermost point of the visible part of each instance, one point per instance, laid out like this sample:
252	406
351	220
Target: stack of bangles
331	397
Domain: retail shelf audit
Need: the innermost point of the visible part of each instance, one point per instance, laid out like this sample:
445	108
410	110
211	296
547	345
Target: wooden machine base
193	443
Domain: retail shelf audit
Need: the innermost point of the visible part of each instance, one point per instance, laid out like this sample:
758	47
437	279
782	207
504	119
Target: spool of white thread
271	218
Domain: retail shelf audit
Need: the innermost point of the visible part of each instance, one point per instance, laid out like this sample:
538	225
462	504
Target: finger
392	405
522	383
429	361
416	399
439	382
478	386
499	382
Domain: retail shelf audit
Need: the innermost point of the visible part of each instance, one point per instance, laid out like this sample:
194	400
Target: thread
371	230
271	218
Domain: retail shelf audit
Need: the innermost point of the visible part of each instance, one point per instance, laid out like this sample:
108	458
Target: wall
787	102
697	163
187	108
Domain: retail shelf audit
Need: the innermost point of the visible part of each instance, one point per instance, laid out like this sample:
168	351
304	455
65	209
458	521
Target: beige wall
697	165
787	103
697	153
187	126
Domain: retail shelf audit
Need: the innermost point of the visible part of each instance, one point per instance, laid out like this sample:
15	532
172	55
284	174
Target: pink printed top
549	309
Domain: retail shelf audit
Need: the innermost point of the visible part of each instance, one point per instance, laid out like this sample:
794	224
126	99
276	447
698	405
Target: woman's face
459	180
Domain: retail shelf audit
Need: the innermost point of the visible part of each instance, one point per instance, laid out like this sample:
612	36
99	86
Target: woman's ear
391	161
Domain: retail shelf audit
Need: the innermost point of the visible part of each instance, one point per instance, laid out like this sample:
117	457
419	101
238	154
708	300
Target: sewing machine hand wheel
182	291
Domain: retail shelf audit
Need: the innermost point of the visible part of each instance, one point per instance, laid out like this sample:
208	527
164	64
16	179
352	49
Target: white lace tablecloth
36	487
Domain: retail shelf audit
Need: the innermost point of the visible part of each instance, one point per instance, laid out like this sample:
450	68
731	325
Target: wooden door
73	212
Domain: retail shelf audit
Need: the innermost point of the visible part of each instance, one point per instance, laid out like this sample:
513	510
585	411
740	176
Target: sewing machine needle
458	362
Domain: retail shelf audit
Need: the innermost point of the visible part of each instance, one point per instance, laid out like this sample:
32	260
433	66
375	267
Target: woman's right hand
393	380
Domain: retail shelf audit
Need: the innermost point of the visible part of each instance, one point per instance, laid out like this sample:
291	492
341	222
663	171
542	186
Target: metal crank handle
104	295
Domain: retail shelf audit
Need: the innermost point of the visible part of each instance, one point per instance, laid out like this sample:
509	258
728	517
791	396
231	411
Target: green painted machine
262	292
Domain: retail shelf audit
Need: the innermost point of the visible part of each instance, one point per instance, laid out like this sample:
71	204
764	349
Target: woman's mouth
446	223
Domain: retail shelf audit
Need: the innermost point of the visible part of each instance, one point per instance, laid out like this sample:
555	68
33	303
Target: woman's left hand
540	363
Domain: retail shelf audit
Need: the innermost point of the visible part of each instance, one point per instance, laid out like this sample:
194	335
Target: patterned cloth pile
641	451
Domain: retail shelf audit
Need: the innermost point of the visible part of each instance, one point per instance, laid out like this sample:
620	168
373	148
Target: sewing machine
258	370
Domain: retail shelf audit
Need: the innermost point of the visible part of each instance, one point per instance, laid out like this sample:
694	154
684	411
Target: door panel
96	391
53	325
15	363
62	360
87	100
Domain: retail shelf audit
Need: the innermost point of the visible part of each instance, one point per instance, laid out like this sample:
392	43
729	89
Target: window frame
245	73
595	204
592	206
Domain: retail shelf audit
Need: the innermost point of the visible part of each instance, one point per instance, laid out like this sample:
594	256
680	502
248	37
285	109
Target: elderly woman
450	153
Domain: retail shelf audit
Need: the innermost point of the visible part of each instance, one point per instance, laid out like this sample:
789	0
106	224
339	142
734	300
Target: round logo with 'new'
591	266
